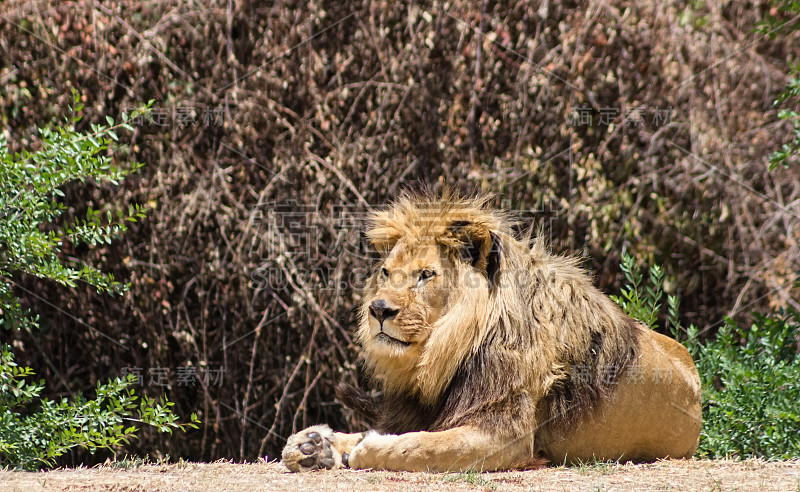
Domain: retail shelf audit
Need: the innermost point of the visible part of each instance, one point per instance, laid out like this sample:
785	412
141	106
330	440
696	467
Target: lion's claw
311	450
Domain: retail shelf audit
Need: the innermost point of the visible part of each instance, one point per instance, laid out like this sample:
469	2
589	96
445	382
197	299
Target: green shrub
641	299
751	387
34	431
750	378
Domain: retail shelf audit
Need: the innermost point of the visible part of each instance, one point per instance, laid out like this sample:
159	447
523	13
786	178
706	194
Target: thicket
617	126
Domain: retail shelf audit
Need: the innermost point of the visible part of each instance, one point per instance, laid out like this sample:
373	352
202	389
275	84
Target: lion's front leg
458	449
318	447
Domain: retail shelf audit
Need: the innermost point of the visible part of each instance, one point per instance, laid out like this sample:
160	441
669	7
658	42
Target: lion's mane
529	341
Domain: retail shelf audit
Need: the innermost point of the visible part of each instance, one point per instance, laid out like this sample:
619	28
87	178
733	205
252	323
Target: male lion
494	354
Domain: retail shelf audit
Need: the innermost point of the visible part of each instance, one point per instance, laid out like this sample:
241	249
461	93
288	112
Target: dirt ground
667	475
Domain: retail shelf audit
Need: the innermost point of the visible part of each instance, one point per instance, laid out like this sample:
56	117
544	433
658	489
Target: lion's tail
358	400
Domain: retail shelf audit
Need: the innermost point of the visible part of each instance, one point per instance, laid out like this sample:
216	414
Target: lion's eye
426	274
384	273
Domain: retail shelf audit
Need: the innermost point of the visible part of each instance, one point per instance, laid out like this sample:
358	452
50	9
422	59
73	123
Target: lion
494	354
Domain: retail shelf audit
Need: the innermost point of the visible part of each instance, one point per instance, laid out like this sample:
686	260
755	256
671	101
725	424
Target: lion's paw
311	449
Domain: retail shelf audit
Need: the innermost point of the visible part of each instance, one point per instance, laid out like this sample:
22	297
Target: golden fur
492	352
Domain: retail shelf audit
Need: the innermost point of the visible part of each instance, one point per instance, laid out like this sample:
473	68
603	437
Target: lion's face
425	306
409	293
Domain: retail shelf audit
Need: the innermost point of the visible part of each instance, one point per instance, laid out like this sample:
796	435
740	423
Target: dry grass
720	475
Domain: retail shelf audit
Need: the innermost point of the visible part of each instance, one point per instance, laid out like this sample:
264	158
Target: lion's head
428	299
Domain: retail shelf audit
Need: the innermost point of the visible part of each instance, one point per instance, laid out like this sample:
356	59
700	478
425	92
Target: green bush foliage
750	378
641	299
751	387
34	431
30	205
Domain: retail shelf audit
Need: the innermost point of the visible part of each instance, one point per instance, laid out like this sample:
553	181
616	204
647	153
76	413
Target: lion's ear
478	245
383	232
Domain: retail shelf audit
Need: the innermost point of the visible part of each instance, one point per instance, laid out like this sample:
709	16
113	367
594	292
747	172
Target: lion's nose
381	311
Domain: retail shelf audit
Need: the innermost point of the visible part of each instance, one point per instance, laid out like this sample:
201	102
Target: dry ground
672	475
